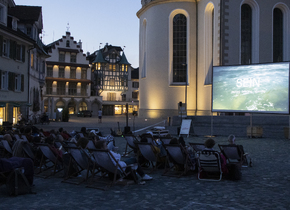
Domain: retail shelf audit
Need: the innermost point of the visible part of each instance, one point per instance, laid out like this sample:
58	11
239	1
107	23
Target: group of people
30	136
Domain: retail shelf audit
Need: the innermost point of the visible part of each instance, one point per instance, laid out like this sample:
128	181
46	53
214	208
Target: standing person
100	115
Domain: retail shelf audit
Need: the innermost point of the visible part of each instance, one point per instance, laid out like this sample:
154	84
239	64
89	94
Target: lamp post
184	64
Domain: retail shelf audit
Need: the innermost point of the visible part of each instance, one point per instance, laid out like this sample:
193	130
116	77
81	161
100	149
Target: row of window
73	57
11	81
12	49
61	88
112	67
62	75
112	96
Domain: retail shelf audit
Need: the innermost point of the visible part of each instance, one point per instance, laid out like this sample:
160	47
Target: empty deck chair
177	155
209	166
131	139
108	164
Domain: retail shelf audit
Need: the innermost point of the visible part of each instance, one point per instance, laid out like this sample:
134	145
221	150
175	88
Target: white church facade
180	41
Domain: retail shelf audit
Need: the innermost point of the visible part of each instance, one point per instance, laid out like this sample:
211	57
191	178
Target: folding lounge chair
197	146
178	156
209	166
148	151
234	154
108	164
165	140
131	139
82	162
7	151
48	160
15	181
91	145
149	138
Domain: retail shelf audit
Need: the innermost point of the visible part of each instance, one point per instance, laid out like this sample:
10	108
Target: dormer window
2	14
14	24
67	43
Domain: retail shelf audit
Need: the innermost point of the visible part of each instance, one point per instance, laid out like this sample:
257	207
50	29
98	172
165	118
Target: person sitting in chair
209	144
231	140
103	145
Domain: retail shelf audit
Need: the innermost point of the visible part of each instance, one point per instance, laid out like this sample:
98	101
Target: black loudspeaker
180	104
126	129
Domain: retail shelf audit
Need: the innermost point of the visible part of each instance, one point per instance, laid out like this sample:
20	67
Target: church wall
156	93
262	44
205	54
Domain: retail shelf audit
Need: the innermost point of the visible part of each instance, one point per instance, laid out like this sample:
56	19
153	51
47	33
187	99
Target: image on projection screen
251	88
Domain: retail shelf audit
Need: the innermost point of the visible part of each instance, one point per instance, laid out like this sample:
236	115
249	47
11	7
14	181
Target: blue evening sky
93	22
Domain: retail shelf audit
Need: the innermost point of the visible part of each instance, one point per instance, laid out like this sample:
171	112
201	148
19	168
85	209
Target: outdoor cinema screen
251	88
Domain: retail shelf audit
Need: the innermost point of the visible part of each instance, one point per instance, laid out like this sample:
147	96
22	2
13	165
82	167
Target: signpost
185	127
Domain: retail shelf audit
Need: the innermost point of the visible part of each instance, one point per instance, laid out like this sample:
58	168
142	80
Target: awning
2	104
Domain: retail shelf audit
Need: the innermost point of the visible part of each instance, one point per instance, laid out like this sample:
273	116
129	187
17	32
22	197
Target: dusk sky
93	22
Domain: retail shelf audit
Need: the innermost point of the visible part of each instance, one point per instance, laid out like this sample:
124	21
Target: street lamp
184	64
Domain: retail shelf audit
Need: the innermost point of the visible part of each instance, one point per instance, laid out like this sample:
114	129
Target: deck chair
15	181
48	160
148	151
17	136
197	146
91	145
7	151
82	161
131	139
27	150
165	140
209	166
108	164
234	154
176	154
149	137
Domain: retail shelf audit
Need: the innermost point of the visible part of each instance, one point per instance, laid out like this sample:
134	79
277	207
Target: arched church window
277	35
246	34
179	48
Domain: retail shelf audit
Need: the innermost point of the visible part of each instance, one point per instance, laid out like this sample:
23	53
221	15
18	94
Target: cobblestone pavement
264	186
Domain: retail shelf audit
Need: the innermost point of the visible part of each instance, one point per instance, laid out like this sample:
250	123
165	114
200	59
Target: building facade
30	23
181	40
114	80
68	78
14	65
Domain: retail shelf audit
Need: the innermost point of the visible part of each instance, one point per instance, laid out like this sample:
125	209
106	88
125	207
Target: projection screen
251	88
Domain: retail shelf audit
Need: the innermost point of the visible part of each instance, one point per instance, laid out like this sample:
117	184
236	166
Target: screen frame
251	111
